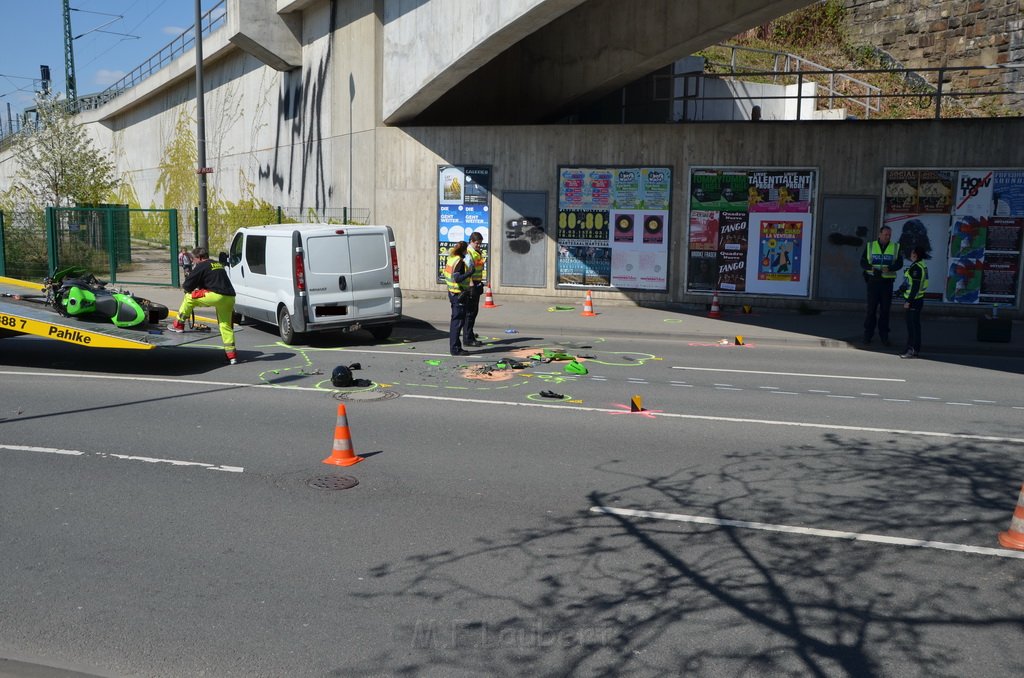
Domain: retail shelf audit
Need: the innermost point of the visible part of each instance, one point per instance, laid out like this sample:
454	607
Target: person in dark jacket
206	286
880	262
914	287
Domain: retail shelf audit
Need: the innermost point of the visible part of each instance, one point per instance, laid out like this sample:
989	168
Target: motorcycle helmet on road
341	376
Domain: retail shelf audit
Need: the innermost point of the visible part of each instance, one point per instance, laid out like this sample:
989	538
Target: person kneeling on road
206	286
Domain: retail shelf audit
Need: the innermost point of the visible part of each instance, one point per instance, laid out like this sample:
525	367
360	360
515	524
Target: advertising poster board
759	222
970	222
463	207
613	227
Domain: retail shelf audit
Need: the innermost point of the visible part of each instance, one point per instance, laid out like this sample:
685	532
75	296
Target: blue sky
32	33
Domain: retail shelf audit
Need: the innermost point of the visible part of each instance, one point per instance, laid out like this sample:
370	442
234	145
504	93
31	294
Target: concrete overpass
454	62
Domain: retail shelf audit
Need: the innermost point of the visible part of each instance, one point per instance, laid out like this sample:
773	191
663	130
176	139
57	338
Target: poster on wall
463	207
970	224
613	227
759	225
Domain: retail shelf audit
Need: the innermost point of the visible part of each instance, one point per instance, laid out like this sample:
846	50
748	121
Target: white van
315	277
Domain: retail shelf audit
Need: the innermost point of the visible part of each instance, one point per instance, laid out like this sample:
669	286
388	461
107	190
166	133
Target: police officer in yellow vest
881	261
915	284
476	289
457	276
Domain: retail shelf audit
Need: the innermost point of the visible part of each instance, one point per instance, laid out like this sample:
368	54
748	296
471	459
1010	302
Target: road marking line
963	404
722	384
814	390
770	388
727	388
988	402
50	450
653	414
125	457
784	393
869	394
786	374
929	398
895	400
811	531
841	396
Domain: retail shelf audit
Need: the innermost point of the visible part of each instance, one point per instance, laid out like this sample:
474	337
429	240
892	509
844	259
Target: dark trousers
914	325
455	328
879	302
472	309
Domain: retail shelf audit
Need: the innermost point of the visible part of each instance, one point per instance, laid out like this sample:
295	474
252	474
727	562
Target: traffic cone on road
1013	538
342	454
488	299
588	305
715	312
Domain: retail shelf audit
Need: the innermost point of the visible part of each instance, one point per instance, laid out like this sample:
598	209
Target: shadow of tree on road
612	595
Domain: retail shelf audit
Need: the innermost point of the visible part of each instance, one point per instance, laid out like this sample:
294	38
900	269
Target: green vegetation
817	33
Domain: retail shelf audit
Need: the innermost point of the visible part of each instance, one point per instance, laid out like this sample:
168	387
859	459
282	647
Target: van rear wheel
284	326
381	332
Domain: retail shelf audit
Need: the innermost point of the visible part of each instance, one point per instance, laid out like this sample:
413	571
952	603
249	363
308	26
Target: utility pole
203	170
70	88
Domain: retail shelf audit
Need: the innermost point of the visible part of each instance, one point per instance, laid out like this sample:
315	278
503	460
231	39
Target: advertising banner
463	207
613	227
970	224
758	222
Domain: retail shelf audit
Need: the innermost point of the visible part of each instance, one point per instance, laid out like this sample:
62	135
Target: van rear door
373	288
329	282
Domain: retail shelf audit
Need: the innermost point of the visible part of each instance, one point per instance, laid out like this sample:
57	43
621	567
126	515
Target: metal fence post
3	253
172	218
51	239
938	93
799	94
279	214
108	227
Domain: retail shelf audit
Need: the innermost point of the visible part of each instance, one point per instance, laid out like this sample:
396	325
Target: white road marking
842	396
895	400
786	374
727	388
869	394
732	420
962	404
988	402
722	384
49	450
811	532
770	388
814	390
929	398
784	393
126	457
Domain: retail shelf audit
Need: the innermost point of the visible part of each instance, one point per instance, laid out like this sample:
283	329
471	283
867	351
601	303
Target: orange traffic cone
715	311
1013	538
342	454
588	305
488	299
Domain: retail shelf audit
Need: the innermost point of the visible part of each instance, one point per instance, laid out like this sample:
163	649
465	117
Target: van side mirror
223	258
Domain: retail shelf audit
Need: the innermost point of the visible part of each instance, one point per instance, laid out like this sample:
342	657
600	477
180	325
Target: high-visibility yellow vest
478	265
449	276
878	257
910	281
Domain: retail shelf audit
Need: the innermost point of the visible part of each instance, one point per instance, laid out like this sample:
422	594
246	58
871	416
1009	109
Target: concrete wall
850	157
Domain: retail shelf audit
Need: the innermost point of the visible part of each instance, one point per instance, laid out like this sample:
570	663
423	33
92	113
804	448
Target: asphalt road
767	514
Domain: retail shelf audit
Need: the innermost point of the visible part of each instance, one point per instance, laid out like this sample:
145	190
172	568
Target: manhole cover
366	396
332	482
